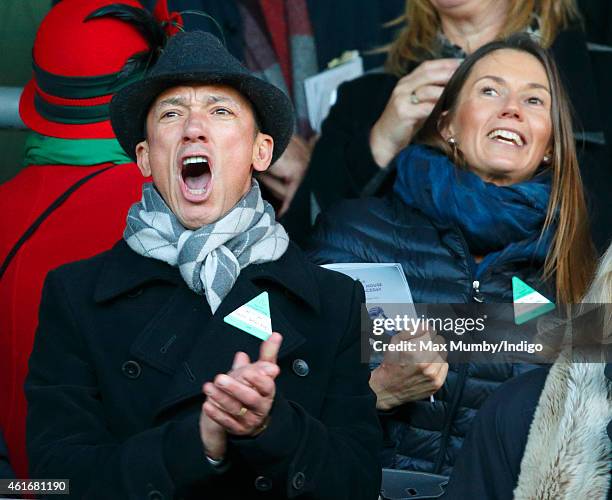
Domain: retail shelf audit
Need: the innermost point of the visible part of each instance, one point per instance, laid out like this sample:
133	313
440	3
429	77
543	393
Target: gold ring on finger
242	412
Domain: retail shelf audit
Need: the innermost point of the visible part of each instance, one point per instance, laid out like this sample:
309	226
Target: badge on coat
528	303
253	317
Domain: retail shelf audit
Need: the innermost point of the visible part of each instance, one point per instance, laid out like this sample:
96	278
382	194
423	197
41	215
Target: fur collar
568	452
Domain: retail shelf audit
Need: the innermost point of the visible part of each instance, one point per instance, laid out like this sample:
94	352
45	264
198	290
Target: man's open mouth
196	174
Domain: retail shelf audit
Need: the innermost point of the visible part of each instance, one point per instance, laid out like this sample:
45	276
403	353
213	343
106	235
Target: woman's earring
546	160
453	144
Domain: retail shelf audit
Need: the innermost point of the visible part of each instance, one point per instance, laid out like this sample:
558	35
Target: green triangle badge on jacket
253	317
528	303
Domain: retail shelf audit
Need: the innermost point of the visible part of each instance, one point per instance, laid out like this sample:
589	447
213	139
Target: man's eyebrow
215	98
501	81
172	101
179	101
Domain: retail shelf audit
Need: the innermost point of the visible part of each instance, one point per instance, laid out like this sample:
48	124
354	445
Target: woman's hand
402	118
408	376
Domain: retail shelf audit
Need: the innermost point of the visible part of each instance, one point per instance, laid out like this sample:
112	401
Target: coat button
298	480
262	483
300	367
131	369
155	495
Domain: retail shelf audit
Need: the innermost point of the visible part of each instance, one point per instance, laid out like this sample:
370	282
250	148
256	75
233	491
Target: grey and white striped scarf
210	258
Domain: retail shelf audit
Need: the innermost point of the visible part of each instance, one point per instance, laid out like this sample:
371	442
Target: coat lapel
183	339
217	342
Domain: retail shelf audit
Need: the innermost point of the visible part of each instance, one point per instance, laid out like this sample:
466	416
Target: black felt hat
199	57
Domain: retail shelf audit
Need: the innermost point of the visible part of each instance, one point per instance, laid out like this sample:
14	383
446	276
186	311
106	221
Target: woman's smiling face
502	121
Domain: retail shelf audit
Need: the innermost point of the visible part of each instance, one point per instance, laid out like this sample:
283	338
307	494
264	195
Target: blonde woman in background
377	115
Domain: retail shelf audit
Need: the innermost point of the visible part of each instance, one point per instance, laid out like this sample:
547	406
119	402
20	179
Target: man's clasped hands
240	401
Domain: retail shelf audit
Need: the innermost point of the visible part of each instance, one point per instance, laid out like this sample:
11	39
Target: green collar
45	150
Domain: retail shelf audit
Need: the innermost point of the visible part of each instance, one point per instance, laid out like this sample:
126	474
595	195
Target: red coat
90	221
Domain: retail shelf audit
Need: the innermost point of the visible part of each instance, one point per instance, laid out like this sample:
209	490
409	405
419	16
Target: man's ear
142	158
262	151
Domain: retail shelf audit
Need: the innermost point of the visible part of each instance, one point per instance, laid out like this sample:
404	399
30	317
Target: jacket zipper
477	297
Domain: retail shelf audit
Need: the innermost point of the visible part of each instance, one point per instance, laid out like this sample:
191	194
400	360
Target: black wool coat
116	373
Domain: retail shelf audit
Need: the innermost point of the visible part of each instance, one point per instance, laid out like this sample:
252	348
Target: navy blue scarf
501	222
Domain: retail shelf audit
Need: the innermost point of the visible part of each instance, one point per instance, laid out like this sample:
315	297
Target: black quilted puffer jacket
440	269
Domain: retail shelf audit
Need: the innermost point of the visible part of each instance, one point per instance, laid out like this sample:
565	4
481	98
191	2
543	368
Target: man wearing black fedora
149	377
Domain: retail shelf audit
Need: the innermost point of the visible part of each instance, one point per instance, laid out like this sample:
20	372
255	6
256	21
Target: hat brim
130	106
38	123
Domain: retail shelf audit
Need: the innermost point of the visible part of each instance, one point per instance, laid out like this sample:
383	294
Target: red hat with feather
84	52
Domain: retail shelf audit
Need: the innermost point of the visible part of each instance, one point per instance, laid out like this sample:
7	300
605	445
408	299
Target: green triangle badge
528	303
253	317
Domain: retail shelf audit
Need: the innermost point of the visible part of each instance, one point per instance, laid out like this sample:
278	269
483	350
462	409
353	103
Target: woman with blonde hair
378	114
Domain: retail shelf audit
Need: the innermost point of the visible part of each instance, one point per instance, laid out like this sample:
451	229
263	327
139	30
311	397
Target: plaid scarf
281	48
210	258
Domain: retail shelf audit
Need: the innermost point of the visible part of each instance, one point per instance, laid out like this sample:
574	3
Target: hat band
52	99
71	115
81	87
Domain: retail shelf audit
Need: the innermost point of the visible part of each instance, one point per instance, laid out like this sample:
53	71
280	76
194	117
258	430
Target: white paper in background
384	283
386	290
321	89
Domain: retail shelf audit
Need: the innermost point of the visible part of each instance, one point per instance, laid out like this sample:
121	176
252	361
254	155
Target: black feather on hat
199	57
151	29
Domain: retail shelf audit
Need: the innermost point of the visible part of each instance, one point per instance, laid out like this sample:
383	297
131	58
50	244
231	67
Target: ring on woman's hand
414	99
242	412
